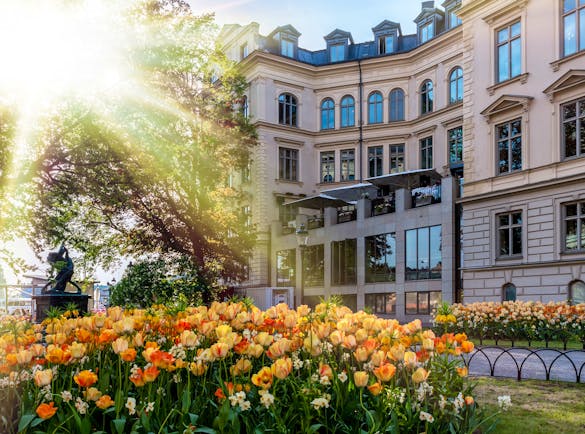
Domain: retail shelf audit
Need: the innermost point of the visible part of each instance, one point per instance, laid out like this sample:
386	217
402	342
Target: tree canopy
145	170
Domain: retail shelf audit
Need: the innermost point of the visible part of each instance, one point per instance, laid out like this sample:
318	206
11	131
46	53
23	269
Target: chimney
428	5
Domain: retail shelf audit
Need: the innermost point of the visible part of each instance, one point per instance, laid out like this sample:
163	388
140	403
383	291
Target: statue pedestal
44	302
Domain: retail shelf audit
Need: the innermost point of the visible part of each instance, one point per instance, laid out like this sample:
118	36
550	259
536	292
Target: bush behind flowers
232	368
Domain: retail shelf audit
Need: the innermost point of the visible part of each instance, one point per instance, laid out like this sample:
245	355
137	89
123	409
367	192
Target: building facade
364	145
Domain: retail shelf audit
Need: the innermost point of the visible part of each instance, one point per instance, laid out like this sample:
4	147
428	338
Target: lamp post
302	240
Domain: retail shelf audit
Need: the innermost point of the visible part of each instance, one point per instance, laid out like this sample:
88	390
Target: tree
144	172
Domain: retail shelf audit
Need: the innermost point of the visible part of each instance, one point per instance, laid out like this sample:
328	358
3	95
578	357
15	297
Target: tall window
574	227
456	85
375	110
386	44
287	110
455	139
573	127
288	162
328	166
509	292
287	214
337	52
421	303
509	234
380	258
426	153
573	26
577	292
327	114
509	52
347	165
243	51
427	31
287	47
313	268
426	97
383	303
396	105
245	107
285	267
343	262
423	253
347	111
375	160
509	138
396	158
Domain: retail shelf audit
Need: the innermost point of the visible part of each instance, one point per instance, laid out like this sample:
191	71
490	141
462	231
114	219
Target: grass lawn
538	407
558	345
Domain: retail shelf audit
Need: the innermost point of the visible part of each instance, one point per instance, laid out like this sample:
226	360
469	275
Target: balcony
383	205
423	196
346	214
315	222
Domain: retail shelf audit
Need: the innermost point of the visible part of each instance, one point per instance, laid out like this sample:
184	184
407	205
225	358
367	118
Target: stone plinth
44	302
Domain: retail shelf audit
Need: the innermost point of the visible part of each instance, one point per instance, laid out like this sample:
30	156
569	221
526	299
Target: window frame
288	164
292	270
288	109
505	292
571	294
451	140
426	294
423	28
509	228
383	43
327	114
341	273
336	49
418	274
579	120
426	97
458	83
387	299
244	51
396	105
329	165
369	247
311	267
395	156
347	112
426	152
288	44
509	55
350	175
509	139
378	106
378	157
579	217
579	12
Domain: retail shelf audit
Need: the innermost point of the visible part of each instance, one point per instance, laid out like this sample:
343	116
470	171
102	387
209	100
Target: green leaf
25	420
186	401
193	418
206	430
119	425
36	422
314	428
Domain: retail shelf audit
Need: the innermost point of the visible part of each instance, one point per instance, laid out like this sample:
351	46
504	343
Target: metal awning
319	201
408	179
353	192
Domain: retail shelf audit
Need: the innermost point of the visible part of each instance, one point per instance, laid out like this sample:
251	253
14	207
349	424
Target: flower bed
234	368
515	320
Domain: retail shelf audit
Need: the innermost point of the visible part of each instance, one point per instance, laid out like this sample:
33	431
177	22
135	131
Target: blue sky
314	18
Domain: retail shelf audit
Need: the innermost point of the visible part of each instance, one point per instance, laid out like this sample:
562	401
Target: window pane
577	292
423	253
568	5
503	35
517	218
570	138
435	299
509	292
435	255
582	233
411	303
504	242
423	302
516	154
503	63
582	137
515	29
516	58
502	131
411	266
390	303
569	111
516	241
571	210
571	234
582	29
503	163
570	37
504	220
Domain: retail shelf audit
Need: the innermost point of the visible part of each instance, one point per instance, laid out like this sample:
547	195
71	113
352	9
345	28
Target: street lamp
302	240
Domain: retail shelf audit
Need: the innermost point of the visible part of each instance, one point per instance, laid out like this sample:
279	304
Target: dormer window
386	44
287	47
427	31
386	35
337	52
244	51
429	22
452	19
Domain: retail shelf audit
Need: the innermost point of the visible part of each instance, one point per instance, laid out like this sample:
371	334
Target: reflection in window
423	253
426	97
380	258
313	265
455	138
328	166
427	31
456	85
375	110
509	141
574	227
285	267
396	158
426	153
573	128
421	303
343	262
287	48
509	292
384	303
288	160
337	52
347	165
347	112
386	44
287	110
573	26
509	234
327	114
577	292
396	105
509	52
375	159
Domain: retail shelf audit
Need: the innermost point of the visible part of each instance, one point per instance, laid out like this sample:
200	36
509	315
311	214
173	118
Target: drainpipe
361	122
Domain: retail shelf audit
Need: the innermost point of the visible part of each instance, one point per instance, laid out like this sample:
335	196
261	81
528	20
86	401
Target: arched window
577	292
456	85
426	97
347	111
245	107
396	105
327	114
509	292
375	110
287	110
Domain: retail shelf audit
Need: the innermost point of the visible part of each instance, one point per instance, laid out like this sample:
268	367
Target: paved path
528	363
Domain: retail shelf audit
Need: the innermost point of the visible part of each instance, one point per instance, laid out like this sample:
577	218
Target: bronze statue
64	264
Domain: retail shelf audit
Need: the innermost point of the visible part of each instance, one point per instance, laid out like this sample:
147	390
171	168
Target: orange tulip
263	378
85	378
467	346
420	375
104	402
282	368
151	373
129	355
360	378
385	372
46	411
375	389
